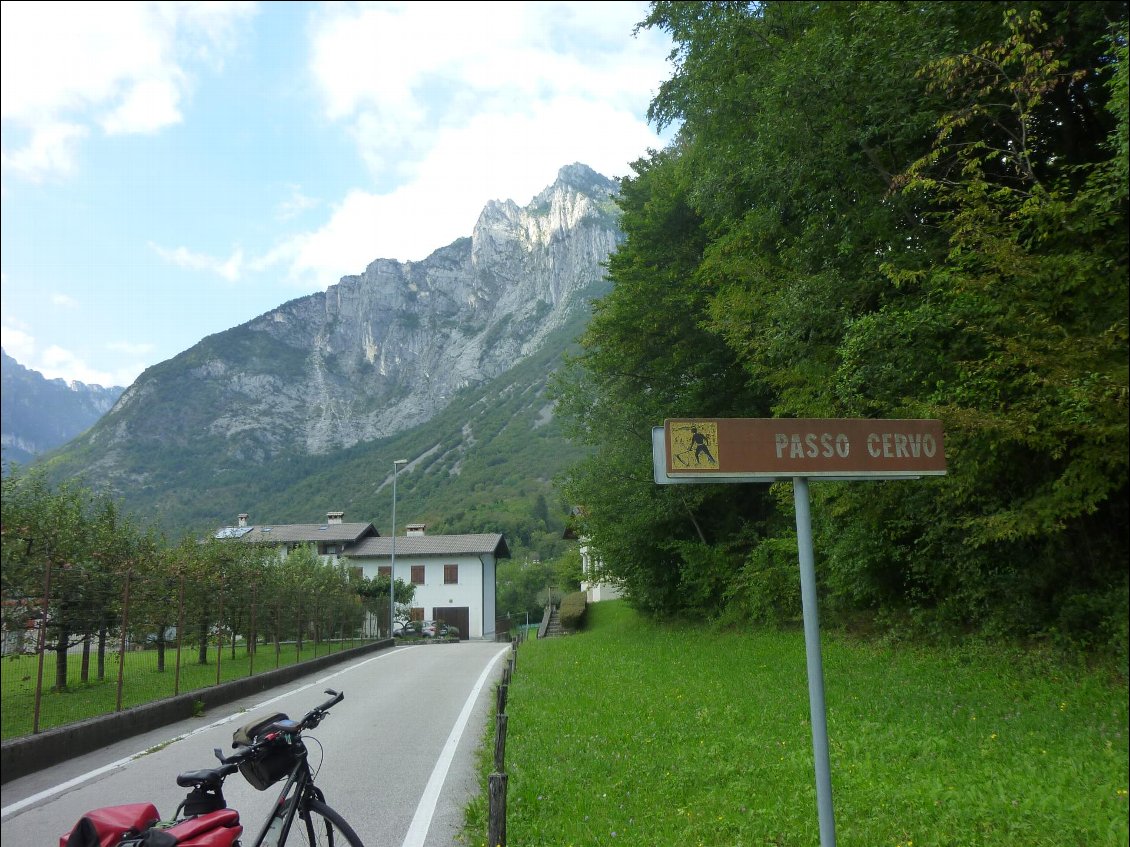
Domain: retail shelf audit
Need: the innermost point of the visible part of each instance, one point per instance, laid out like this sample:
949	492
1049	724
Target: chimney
243	520
415	529
334	517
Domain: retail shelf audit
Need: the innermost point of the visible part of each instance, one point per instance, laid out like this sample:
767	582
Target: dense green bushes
571	613
877	210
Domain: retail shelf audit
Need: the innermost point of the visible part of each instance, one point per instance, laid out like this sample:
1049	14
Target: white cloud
403	76
66	67
51	149
64	300
493	157
55	362
133	348
18	344
149	106
230	268
295	204
454	106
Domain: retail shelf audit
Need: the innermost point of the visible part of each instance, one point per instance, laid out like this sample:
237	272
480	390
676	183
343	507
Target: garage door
459	616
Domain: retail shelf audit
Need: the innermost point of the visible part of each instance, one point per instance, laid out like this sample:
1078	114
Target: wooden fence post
500	743
122	643
502	691
180	634
41	643
496	825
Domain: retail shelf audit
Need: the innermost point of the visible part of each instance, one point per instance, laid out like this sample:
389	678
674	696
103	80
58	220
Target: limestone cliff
375	353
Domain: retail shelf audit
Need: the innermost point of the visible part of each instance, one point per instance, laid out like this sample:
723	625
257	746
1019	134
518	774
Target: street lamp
392	563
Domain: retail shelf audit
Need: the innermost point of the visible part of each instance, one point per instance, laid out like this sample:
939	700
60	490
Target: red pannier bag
105	827
215	829
132	825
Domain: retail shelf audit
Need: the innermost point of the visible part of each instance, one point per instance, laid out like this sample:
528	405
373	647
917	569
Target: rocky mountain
327	376
38	414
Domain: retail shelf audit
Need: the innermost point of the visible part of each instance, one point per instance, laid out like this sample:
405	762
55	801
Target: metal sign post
721	450
817	710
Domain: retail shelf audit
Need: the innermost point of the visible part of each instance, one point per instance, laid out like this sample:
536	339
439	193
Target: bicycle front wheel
321	826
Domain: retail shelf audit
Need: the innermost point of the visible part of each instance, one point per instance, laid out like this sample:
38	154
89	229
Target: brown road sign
778	448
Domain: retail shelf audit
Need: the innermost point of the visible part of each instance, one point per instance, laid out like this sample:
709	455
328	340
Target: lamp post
392	559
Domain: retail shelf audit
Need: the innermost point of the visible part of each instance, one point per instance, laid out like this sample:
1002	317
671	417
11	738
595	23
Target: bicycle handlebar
309	721
318	713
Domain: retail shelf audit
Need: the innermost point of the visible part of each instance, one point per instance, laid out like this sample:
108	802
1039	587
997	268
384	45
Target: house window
357	573
385	570
417	574
451	574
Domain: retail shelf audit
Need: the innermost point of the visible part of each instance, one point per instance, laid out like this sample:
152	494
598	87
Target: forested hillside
877	210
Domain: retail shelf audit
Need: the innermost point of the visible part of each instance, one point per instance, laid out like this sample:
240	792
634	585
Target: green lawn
636	734
141	681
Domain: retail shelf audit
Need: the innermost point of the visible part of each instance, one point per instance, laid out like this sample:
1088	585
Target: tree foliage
101	581
877	210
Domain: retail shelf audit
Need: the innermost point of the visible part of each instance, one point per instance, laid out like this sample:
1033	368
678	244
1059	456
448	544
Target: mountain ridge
38	414
374	356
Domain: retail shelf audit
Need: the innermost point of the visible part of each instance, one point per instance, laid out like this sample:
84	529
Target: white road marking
121	763
425	809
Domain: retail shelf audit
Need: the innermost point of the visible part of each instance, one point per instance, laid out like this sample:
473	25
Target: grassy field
142	682
636	734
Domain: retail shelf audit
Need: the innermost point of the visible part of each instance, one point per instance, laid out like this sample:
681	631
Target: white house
591	583
454	575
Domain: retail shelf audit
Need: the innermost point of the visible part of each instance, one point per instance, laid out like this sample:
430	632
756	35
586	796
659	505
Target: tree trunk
61	660
102	652
202	650
85	673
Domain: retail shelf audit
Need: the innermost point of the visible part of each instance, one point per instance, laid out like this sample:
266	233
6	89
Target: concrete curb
21	756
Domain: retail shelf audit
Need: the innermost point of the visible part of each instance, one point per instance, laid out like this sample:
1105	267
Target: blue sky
171	170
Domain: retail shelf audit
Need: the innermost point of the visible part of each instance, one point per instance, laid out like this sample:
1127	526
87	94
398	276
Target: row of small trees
79	575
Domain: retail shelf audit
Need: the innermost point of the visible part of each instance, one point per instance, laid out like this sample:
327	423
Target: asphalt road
397	754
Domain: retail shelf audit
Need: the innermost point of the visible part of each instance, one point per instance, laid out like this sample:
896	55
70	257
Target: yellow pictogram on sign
694	445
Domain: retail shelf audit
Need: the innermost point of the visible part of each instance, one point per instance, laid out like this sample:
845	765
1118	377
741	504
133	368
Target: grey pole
811	612
392	559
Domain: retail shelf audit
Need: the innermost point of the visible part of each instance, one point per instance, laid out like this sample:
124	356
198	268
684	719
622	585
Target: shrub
572	611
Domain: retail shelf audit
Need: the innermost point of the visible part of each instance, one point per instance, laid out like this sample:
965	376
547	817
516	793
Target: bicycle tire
321	826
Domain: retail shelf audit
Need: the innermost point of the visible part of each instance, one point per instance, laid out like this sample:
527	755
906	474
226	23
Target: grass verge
141	682
638	734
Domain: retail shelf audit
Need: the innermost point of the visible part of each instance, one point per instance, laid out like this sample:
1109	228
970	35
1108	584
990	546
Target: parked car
425	629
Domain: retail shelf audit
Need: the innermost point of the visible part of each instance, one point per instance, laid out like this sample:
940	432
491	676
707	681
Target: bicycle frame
205	801
294	799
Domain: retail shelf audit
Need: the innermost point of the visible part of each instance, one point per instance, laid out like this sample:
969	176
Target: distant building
595	590
454	575
330	539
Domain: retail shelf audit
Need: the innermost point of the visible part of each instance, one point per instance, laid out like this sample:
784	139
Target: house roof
431	545
298	533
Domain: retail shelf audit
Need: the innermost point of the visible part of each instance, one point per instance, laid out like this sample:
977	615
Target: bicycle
269	750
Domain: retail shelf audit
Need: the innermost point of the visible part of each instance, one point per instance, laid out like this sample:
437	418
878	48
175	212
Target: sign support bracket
817	713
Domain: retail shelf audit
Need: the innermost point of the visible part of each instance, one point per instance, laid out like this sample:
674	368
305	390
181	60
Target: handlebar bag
249	733
271	763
